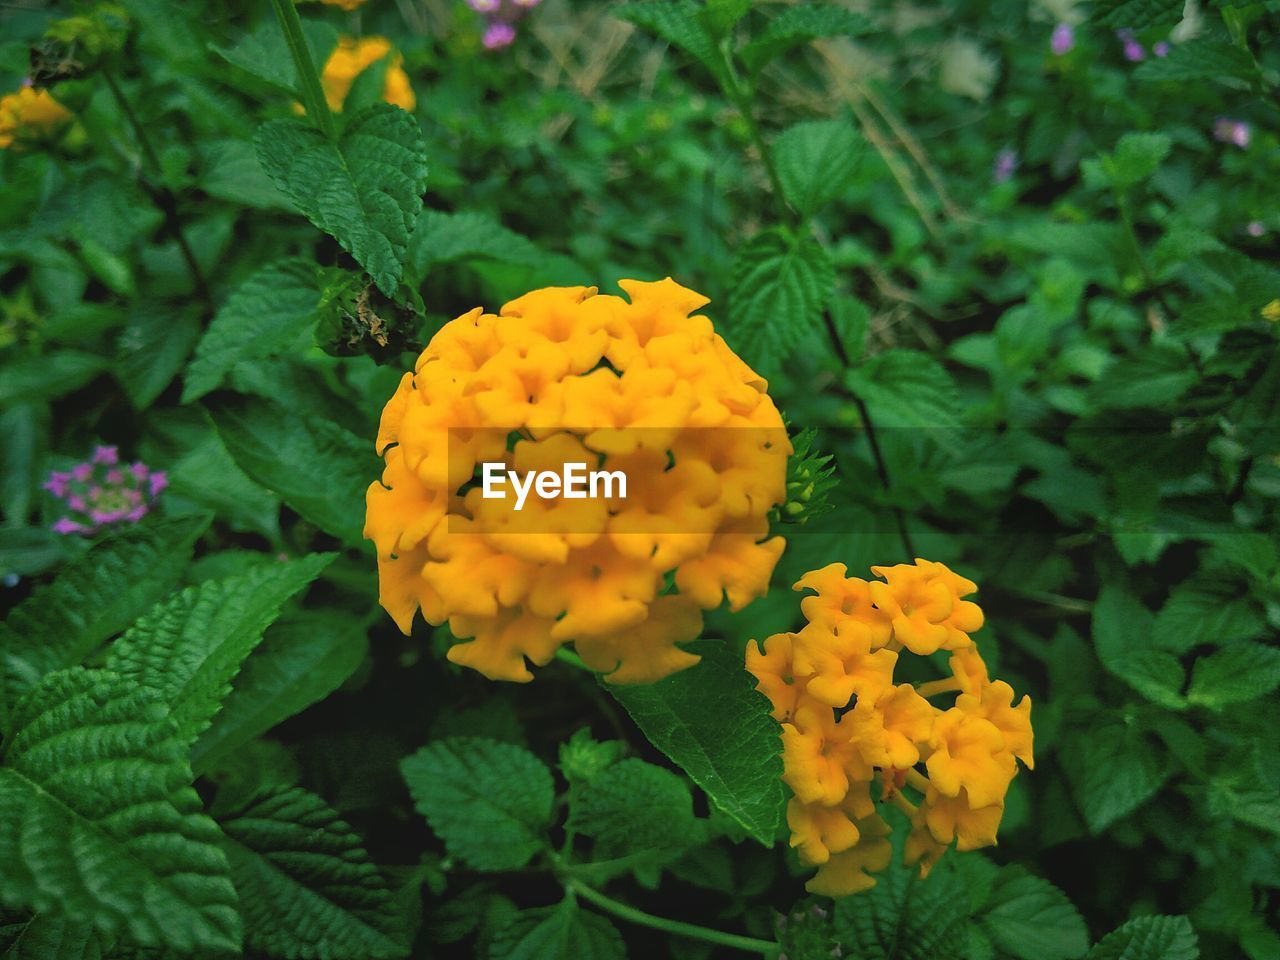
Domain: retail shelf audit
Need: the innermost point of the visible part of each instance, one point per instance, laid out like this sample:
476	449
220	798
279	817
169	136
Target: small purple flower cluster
102	493
1006	163
1134	51
1237	132
1063	39
501	17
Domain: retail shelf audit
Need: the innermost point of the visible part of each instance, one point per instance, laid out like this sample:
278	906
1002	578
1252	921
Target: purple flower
1232	131
1063	39
1255	228
526	4
1133	51
498	35
484	6
1161	49
1006	163
99	494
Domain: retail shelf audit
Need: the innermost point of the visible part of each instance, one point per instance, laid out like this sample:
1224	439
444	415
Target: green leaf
93	598
799	24
1122	635
712	723
307	887
1215	611
906	389
365	191
315	466
1135	14
905	918
49	937
232	172
490	802
188	649
1031	919
1154	378
1235	674
1200	59
265	54
1136	157
48	377
445	237
1113	770
98	819
560	931
151	349
781	283
816	161
633	807
680	23
298	663
271	314
1149	938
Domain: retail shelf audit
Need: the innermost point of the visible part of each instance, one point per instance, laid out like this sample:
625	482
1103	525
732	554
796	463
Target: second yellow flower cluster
847	724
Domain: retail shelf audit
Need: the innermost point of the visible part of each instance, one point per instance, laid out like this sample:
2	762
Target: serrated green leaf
906	389
151	349
299	662
1113	770
816	160
1135	14
560	931
1149	938
1199	59
270	314
905	918
634	807
1156	377
315	466
1135	157
231	172
1234	674
307	887
1213	611
93	598
712	723
188	648
1122	636
98	819
365	191
680	23
48	937
800	23
48	377
781	283
1031	919
490	802
265	54
444	237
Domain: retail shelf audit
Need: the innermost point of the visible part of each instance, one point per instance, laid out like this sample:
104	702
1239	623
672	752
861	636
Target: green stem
749	944
309	79
740	94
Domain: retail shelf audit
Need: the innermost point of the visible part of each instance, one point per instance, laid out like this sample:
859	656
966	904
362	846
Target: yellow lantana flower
564	375
28	113
351	57
846	723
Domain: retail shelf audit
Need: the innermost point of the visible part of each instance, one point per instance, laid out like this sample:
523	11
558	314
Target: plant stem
160	195
740	95
308	78
693	931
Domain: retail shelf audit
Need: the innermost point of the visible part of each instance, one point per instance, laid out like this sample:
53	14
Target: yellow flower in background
28	113
565	375
846	724
352	57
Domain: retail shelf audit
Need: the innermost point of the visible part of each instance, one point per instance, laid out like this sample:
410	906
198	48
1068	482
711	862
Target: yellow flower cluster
29	113
351	57
645	386
846	723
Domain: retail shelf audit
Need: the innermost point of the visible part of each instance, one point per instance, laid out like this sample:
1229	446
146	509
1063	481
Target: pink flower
66	526
526	4
1063	39
484	6
158	482
81	472
100	494
1255	228
57	484
107	455
1006	163
498	35
1232	131
1161	49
